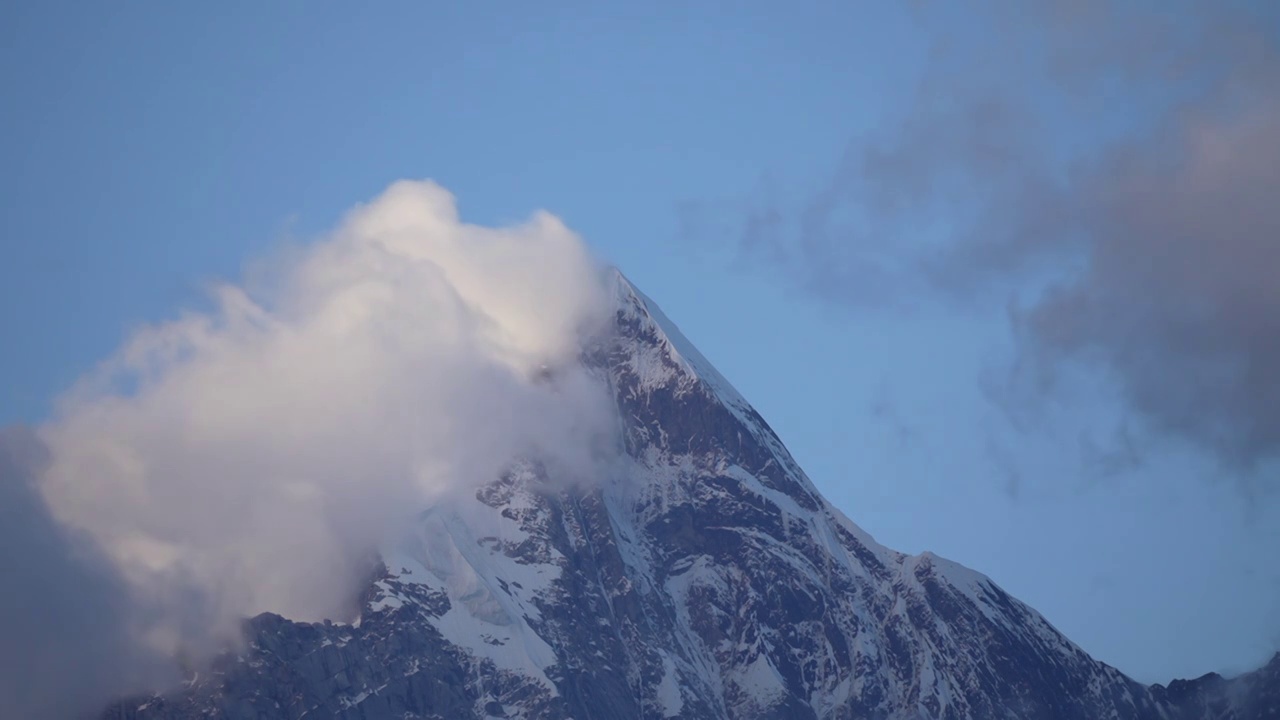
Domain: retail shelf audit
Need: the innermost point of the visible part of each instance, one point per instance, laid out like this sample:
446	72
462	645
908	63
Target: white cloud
257	451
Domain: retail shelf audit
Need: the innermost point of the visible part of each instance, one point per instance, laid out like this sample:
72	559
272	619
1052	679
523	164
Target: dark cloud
67	642
1111	171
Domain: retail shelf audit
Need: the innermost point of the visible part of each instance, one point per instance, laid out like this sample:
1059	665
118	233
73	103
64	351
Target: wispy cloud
1109	172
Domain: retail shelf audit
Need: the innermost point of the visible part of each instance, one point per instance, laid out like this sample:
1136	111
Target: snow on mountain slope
701	576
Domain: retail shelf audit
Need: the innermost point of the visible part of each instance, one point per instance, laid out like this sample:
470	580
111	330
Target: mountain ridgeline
705	577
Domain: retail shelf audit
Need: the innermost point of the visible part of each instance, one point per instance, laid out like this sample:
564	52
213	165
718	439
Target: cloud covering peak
256	452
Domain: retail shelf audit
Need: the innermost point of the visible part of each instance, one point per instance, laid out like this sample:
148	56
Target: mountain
704	577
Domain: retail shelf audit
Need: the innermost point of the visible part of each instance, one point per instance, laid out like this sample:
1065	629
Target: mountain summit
703	577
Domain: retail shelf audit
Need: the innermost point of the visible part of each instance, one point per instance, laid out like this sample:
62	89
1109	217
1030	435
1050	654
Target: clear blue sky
149	147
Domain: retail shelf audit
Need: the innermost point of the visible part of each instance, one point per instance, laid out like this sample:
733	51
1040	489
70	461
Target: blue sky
150	148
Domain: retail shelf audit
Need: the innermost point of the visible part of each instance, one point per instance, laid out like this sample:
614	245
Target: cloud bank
1108	170
247	458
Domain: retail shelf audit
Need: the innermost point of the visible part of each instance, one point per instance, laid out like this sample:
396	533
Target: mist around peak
250	457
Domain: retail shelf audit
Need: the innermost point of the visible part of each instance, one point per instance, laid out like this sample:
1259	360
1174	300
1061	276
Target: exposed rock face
704	577
1253	695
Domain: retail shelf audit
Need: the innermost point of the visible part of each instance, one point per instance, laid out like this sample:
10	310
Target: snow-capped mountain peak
683	360
702	576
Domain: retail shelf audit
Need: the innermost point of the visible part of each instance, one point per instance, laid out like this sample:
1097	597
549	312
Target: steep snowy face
782	604
701	575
